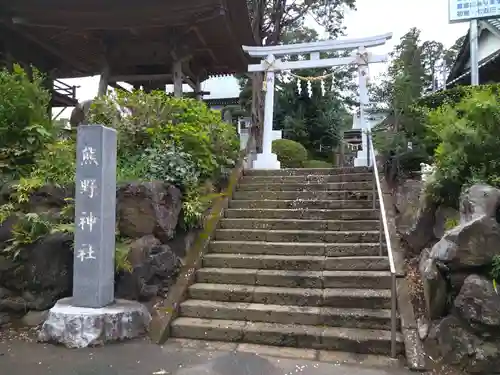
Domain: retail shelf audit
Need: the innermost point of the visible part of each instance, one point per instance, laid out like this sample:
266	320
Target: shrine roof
137	37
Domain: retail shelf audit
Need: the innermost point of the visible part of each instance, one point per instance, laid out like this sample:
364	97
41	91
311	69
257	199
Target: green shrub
170	163
317	164
56	163
468	151
291	154
495	268
25	124
453	96
152	120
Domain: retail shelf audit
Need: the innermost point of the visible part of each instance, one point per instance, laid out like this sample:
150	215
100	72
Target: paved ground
178	357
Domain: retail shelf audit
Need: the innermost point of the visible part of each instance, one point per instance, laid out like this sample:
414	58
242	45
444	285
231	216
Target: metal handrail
383	219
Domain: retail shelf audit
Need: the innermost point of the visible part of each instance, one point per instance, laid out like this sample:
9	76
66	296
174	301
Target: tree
451	54
432	58
271	19
415	69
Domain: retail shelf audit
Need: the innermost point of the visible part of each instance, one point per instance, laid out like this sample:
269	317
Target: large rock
463	349
435	290
149	208
407	200
45	274
50	197
6	229
479	200
155	267
471	244
479	305
421	233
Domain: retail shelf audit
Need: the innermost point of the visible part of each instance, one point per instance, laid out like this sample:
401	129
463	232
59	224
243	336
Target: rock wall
147	214
463	307
419	221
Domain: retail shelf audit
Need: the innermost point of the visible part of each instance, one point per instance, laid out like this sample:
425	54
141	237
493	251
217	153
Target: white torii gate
270	64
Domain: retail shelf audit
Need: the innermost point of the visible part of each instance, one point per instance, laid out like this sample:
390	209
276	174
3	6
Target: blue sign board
466	10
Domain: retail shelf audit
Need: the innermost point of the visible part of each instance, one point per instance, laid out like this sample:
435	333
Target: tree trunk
258	108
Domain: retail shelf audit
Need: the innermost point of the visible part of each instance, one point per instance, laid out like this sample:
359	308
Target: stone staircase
295	262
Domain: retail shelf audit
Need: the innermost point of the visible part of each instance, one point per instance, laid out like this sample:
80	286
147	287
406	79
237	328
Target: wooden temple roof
134	37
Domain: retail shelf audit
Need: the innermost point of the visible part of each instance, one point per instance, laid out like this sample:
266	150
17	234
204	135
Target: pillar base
80	327
266	161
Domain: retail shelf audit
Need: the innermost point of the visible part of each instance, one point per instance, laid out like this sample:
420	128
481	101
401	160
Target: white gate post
268	160
361	159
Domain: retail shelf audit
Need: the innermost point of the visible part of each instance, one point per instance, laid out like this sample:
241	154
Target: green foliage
194	206
451	223
160	125
6	211
452	96
495	268
169	163
28	229
122	248
468	151
317	164
415	67
25	125
56	163
291	154
24	188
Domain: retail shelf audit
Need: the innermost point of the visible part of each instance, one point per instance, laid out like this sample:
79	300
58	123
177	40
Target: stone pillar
177	74
92	316
268	160
95	205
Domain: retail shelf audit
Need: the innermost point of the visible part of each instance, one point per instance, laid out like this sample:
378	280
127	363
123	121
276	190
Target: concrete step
261	213
344	297
295	262
291	335
306	171
367	185
287	314
296	236
292	224
312	178
295	279
360	195
296	248
305	204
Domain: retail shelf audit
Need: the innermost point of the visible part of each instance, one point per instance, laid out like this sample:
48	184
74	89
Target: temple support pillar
177	76
104	80
197	89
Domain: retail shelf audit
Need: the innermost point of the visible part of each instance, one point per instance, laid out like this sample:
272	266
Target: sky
372	17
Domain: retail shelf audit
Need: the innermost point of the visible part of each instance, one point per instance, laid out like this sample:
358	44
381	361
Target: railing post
368	158
393	316
381	236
